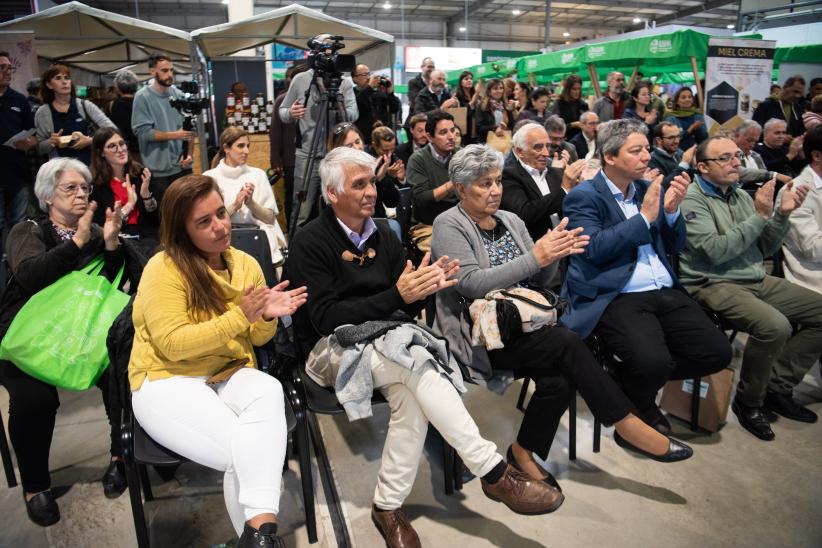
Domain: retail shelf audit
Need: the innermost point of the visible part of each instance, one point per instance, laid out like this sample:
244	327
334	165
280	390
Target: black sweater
342	292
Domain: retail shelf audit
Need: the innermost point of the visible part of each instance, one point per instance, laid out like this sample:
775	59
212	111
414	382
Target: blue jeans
13	204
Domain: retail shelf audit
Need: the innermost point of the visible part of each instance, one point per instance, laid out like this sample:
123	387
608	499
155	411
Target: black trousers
160	184
559	363
659	336
32	410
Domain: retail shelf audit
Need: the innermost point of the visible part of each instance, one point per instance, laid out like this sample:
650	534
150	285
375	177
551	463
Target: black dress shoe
753	420
264	537
114	480
785	405
43	509
654	418
550	479
677	450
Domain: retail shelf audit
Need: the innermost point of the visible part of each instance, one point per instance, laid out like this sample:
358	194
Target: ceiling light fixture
224	2
731	26
637	20
463	29
516	12
566	34
386	6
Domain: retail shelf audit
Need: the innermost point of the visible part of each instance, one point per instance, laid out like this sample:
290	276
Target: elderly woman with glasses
495	252
40	252
116	177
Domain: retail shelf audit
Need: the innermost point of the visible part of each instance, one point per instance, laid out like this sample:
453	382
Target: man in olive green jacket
722	266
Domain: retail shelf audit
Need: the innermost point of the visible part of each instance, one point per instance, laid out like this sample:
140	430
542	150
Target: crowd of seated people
595	204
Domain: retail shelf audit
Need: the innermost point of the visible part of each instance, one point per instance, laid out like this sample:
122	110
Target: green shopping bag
59	336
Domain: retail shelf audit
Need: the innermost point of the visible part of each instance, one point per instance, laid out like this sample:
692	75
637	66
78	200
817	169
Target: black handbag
509	319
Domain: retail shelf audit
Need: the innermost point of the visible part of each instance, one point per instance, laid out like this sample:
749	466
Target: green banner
492	55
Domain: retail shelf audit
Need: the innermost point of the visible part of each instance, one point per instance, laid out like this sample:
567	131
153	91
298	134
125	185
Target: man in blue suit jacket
623	285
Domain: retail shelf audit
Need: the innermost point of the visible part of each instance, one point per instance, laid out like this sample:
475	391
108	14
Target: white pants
237	426
415	398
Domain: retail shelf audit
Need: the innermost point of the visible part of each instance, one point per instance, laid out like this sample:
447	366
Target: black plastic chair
140	450
5	452
254	241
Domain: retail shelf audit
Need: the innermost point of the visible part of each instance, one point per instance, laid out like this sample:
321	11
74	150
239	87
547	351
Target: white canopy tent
291	26
102	42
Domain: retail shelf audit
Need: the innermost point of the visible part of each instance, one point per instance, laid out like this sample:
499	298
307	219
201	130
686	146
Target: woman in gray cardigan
495	252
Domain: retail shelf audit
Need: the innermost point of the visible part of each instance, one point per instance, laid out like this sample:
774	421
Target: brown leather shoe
523	494
395	528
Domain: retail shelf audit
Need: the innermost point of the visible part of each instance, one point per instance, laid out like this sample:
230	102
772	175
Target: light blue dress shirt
368	229
650	274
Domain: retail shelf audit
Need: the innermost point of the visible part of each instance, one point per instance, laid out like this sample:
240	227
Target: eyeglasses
362	74
72	188
5	68
726	158
342	127
114	147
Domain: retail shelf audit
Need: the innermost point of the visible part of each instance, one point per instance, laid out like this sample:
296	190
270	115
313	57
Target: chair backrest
405	210
255	242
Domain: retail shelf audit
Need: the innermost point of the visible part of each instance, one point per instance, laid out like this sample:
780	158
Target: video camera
191	104
326	62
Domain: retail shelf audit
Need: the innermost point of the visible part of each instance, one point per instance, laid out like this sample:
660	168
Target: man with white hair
752	172
363	297
776	154
611	106
435	95
532	189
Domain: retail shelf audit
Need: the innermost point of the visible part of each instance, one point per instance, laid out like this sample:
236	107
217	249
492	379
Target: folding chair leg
135	496
457	471
597	434
5	452
144	481
572	427
523	393
303	448
448	467
695	404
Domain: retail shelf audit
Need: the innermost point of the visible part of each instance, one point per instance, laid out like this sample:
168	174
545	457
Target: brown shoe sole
550	509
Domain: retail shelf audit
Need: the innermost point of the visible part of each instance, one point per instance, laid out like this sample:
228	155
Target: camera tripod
330	101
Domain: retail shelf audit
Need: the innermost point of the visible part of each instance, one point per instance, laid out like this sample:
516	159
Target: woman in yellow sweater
200	309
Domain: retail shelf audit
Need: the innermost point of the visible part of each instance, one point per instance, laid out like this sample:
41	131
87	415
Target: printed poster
20	46
737	79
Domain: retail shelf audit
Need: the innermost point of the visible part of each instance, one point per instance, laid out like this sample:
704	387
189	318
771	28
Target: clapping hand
415	285
279	302
145	184
763	199
792	197
132	197
559	243
650	174
113	224
650	203
676	192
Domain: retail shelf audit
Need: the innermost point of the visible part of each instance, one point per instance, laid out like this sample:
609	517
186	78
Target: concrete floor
735	491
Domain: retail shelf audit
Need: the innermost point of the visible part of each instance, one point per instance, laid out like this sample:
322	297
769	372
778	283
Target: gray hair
587	114
611	136
612	75
555	123
772	122
473	162
126	81
746	125
333	166
518	140
49	175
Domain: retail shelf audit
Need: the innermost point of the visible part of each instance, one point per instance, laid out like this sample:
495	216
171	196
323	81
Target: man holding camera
165	146
376	101
294	108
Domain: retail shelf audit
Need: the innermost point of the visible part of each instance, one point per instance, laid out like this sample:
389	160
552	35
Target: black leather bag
509	319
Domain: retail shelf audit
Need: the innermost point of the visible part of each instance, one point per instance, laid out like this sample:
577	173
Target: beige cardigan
803	243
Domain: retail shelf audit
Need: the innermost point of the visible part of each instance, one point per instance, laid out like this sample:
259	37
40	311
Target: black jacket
772	108
148	223
343	292
486	122
374	105
580	144
427	101
521	195
776	159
